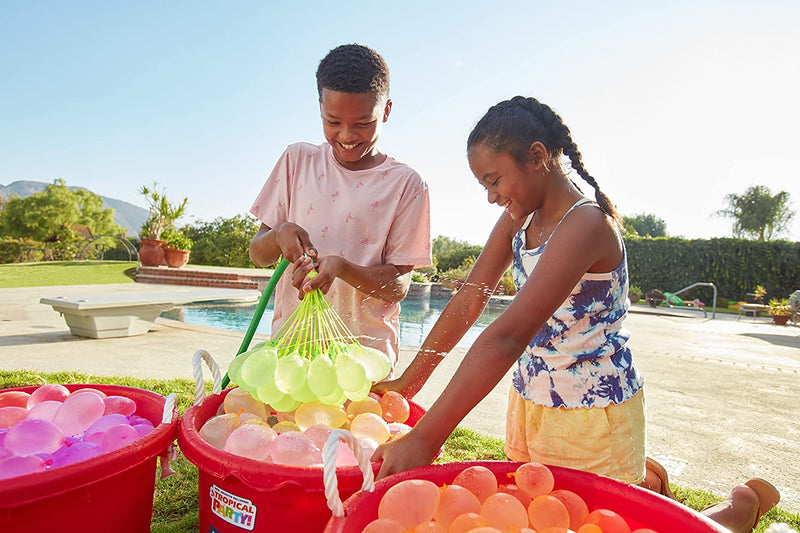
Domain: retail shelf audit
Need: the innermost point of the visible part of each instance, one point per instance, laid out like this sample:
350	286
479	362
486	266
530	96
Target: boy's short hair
353	68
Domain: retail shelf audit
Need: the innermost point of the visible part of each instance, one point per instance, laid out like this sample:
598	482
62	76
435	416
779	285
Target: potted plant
780	311
162	214
177	247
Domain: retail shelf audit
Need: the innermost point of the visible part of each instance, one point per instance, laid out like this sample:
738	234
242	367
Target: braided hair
353	68
513	125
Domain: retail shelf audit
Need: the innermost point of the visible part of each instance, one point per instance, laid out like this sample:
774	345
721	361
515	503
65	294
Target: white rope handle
329	468
169	407
197	372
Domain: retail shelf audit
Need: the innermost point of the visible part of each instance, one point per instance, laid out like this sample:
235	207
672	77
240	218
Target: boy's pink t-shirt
370	217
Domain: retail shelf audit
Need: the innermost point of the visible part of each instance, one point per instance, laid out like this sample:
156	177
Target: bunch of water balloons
53	427
249	428
312	357
476	502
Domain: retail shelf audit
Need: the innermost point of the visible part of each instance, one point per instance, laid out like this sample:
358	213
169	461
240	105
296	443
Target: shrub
419	277
176	240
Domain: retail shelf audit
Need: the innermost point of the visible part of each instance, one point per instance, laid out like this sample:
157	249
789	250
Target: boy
355	215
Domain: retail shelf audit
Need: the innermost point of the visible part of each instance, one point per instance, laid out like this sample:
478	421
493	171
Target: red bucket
112	492
240	494
640	507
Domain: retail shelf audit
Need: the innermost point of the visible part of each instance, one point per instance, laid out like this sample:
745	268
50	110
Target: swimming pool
417	317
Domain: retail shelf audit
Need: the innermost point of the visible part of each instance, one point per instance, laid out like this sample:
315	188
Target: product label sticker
233	509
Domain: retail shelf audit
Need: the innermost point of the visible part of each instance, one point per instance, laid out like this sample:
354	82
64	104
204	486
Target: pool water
417	318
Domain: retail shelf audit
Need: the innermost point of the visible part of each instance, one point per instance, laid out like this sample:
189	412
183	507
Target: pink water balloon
119	405
29	437
104	423
11	415
45	410
294	449
88	389
75	453
144	428
118	436
251	440
318	434
45	393
14	398
78	412
20	465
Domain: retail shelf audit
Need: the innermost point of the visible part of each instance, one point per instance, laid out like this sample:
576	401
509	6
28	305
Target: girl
577	399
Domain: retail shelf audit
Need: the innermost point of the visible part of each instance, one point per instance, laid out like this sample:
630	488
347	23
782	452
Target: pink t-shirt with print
370	217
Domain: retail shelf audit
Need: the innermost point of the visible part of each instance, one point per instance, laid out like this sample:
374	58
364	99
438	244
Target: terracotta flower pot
151	252
781	320
176	258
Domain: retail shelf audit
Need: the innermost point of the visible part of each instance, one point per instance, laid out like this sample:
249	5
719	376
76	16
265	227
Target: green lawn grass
51	273
175	505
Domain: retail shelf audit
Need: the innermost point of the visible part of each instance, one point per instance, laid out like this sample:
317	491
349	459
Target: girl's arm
582	242
460	313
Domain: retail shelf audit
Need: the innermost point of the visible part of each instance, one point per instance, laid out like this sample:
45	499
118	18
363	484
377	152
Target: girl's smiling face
506	184
352	123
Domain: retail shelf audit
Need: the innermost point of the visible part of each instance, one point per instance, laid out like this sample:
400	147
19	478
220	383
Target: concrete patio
721	394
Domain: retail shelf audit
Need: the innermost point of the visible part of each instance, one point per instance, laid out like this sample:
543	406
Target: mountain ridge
129	216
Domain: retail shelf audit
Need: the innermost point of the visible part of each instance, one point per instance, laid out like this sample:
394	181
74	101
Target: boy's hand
328	268
294	242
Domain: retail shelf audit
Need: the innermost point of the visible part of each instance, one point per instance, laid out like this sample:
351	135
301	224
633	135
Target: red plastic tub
640	507
240	494
112	492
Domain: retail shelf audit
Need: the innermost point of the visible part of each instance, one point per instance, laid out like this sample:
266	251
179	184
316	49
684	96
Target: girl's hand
399	385
403	453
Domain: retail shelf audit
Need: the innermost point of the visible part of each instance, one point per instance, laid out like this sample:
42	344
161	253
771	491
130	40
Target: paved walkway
721	394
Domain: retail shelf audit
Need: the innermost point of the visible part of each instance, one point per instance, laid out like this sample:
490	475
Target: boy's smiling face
352	123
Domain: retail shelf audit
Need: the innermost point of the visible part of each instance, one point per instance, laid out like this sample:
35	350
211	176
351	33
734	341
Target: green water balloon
376	363
350	373
322	376
290	373
259	367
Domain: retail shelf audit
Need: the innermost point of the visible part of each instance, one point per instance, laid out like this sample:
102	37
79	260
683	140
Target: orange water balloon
410	502
535	479
514	490
430	527
395	407
504	512
575	505
455	500
609	521
548	511
479	479
466	522
589	528
384	525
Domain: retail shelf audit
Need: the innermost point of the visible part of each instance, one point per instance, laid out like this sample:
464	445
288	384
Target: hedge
735	266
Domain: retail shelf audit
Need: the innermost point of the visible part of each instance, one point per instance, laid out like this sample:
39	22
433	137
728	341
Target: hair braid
513	125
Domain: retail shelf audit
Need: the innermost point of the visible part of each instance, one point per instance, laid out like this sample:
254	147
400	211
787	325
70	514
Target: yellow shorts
609	441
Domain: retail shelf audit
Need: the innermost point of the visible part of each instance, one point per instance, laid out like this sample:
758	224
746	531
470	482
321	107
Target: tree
223	242
42	214
646	225
757	213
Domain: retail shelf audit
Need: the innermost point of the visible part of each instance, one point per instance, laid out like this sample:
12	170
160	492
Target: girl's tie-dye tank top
580	357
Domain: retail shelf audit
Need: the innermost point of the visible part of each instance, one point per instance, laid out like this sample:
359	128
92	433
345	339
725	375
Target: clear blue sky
672	106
